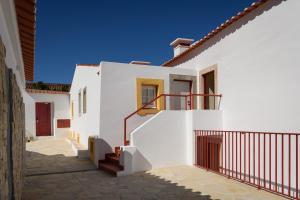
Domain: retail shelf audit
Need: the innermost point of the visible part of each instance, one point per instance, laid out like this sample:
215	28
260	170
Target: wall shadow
39	164
62	177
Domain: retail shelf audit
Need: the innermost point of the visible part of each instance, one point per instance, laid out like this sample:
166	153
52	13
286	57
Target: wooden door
208	152
182	87
209	88
43	119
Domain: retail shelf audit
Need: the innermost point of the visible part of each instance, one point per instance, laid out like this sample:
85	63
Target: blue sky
90	31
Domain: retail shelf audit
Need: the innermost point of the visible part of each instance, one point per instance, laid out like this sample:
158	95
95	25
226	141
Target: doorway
208	151
209	88
182	87
43	118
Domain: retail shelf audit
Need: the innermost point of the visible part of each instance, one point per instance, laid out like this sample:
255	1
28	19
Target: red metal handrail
166	95
254	158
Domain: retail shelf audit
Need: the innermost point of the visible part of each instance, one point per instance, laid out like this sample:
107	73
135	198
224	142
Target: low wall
166	139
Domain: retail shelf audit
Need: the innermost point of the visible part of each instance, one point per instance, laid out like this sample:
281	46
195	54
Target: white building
17	36
241	78
48	113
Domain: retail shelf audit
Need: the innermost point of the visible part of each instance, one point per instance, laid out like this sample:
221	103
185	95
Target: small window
79	103
149	92
72	109
84	100
63	123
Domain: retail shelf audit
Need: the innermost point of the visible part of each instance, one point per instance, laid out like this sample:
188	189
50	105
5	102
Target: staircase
111	162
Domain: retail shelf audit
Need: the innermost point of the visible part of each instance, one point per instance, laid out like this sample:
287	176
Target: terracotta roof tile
25	11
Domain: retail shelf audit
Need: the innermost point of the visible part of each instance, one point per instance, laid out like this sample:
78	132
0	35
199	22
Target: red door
43	119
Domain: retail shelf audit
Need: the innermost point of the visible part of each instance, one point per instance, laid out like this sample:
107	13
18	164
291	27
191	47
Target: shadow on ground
61	177
39	164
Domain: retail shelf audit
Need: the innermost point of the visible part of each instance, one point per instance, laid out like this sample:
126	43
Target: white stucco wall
118	96
167	139
9	35
60	108
30	125
258	68
87	124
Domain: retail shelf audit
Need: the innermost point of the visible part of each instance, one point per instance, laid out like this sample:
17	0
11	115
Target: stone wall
12	132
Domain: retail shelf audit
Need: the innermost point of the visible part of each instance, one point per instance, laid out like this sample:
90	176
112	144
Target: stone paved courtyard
53	172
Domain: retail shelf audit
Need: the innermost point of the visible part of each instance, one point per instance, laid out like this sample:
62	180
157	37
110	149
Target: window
72	109
149	92
79	103
84	100
63	123
146	90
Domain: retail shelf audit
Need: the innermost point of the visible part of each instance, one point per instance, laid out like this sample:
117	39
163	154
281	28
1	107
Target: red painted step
112	158
109	167
111	163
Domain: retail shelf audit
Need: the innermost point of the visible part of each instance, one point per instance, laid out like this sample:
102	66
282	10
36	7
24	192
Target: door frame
181	77
214	69
51	118
188	103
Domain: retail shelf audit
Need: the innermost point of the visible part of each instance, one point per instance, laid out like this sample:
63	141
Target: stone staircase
111	163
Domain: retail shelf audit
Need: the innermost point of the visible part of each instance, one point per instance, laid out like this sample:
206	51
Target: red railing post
245	156
258	161
196	147
229	149
232	151
289	190
254	158
270	161
225	155
276	162
297	188
249	158
264	160
206	147
240	155
236	158
125	127
282	163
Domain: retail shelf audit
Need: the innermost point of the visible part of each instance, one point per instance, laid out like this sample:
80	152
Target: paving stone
180	182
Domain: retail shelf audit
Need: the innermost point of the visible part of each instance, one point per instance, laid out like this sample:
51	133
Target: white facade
118	90
256	70
10	37
86	124
167	139
60	109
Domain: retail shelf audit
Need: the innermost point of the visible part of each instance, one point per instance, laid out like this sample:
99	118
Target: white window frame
147	97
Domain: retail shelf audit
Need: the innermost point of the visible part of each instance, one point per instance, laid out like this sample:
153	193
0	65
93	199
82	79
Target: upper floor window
149	92
79	103
72	109
84	101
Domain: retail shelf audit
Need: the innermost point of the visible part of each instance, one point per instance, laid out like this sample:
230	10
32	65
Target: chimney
140	62
180	45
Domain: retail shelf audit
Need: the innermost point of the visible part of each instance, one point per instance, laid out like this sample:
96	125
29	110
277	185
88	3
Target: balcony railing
268	161
178	102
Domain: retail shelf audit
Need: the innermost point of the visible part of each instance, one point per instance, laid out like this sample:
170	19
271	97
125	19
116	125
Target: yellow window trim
159	83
